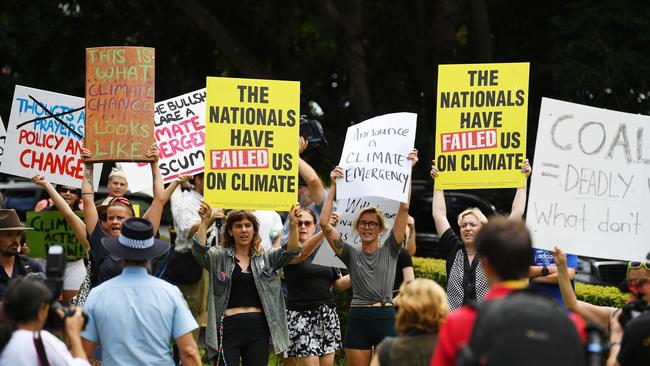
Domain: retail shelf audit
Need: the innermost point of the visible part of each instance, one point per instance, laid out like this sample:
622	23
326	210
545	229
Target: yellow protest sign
481	116
251	150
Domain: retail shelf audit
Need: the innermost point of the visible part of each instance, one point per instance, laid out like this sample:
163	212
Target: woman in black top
466	279
314	329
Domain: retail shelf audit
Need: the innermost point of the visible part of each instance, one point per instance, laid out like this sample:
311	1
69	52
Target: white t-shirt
21	351
268	220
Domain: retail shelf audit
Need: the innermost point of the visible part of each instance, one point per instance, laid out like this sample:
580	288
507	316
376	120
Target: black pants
247	336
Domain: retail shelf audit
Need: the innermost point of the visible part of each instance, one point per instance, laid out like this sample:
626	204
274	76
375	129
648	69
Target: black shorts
368	326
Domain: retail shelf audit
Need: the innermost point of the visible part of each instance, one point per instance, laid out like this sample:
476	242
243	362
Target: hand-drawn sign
119	102
44	136
180	136
590	185
374	157
348	209
51	228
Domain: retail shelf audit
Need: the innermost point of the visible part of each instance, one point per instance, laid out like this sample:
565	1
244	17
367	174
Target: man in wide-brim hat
13	263
135	314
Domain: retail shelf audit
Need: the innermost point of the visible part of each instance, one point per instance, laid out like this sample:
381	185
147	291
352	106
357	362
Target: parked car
597	271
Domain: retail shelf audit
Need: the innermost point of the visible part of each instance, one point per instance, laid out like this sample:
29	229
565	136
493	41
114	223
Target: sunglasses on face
306	223
368	224
68	190
636	265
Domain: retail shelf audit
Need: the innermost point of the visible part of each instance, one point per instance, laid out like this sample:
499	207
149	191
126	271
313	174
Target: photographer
638	280
23	341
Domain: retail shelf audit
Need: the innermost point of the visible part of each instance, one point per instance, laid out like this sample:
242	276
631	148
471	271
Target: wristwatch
544	270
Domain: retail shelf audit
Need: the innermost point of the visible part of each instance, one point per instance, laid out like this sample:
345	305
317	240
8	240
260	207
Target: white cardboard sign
590	187
180	135
348	208
374	157
3	139
44	136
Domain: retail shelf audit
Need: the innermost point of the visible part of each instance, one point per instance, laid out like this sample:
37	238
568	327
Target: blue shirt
134	316
544	257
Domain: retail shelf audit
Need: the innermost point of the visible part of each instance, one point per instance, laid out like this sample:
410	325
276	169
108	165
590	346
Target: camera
633	309
312	131
54	272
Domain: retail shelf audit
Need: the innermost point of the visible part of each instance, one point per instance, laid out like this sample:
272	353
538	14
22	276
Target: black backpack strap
385	351
40	349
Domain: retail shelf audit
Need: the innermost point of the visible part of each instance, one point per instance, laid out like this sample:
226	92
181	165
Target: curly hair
228	241
422	304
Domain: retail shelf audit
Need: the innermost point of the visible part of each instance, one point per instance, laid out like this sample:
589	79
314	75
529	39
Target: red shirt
457	329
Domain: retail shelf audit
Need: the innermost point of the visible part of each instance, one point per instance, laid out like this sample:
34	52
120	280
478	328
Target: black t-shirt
635	346
104	265
19	270
243	291
309	285
403	261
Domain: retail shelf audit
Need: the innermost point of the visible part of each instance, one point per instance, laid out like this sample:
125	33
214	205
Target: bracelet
82	193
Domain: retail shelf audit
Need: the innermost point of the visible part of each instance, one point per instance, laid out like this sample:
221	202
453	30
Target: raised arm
598	315
199	249
75	222
411	245
309	175
399	225
88	194
333	237
438	205
519	202
292	243
312	243
154	212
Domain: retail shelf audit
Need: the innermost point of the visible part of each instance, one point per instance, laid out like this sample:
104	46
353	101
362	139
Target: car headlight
584	266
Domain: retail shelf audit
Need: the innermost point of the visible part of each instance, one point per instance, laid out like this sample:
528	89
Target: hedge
434	269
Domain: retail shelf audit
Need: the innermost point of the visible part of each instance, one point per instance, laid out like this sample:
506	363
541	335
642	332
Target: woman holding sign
314	328
246	304
104	265
67	202
372	271
466	280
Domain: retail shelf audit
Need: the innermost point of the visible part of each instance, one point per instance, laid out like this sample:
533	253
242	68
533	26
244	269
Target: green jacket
219	260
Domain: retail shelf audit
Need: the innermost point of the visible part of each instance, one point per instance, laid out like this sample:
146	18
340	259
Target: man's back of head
504	247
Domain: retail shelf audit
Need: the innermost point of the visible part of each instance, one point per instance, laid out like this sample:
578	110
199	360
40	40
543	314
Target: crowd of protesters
235	286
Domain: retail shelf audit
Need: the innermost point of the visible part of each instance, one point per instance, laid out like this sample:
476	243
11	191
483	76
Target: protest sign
481	116
374	157
44	136
180	135
119	102
348	209
51	228
590	185
3	139
252	143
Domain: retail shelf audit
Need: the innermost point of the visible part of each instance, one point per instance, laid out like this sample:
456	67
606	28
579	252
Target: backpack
525	328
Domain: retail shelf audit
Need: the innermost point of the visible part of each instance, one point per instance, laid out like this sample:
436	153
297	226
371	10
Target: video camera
312	131
633	309
54	272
